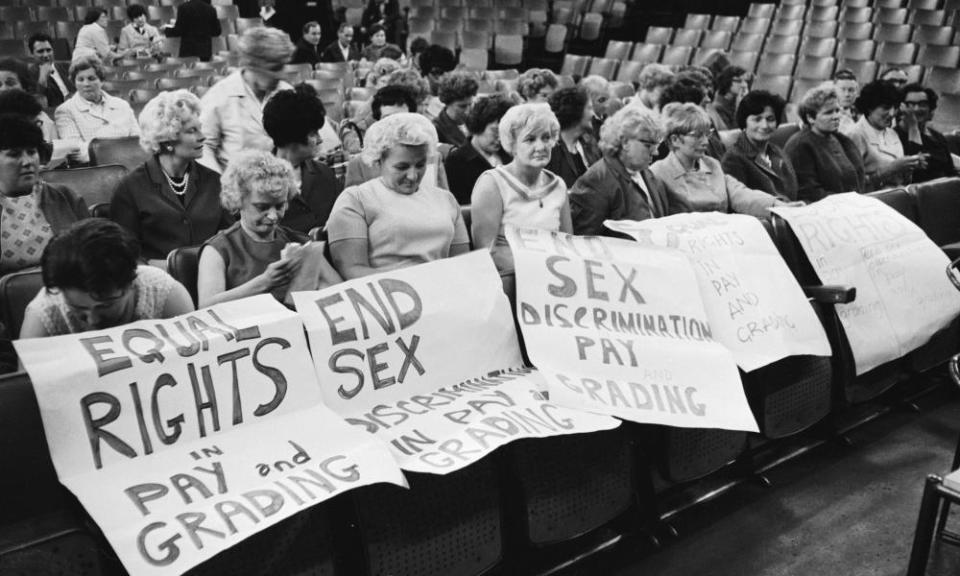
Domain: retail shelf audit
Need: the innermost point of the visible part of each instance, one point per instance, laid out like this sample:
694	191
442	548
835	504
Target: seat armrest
831	294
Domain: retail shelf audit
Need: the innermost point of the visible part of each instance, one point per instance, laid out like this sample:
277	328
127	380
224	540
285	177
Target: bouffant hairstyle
568	105
456	86
525	118
95	255
535	79
404	129
162	119
879	93
487	110
19	131
290	116
264	47
253	171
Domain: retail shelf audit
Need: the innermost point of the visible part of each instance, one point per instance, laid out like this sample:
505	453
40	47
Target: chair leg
925	526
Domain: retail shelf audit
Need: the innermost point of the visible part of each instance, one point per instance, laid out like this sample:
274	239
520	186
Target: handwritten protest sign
425	357
182	437
620	329
755	306
903	295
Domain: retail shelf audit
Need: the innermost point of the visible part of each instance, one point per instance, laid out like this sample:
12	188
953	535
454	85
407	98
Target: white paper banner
408	356
182	437
755	306
619	328
903	294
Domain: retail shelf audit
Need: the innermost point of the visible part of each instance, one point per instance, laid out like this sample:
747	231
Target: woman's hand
279	273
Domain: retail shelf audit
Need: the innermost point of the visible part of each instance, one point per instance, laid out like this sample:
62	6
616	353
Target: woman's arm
351	258
566	221
32	326
486	212
178	302
212	279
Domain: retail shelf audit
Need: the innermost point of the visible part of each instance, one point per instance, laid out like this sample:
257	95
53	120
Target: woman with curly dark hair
483	151
576	150
457	91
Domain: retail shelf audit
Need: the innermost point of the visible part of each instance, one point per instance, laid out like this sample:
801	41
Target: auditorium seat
747	42
777	44
938	208
823	14
779	64
938	35
892	33
818	47
943	56
676	55
618	49
182	265
775	83
761	10
890	16
575	65
785	131
687	37
621	90
606	67
864	70
726	23
717	39
94	184
856	49
744	59
555	41
112	151
16	14
508	50
927	17
474	40
17	289
862	14
896	53
755	26
659	35
923	4
792	394
787	27
791	12
14	48
630	70
47	14
856	31
697	21
688	454
801	86
942	80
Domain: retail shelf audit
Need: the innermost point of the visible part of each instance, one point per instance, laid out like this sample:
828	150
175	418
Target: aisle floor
837	510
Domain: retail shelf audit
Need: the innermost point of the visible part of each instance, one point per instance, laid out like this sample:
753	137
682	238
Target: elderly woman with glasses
522	192
753	159
826	161
232	109
400	218
621	186
695	181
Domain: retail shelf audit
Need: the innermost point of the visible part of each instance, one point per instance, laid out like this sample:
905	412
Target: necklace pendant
541	202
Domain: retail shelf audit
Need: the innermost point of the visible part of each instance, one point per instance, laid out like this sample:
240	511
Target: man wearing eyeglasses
918	137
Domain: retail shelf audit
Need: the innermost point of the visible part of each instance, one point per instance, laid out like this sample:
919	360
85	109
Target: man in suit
196	25
621	186
53	79
342	50
308	47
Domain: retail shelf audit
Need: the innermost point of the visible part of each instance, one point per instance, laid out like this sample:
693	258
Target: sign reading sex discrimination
183	437
620	328
755	305
426	358
903	294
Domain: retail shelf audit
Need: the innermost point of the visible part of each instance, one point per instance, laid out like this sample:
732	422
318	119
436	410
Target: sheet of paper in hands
903	294
620	329
755	305
426	359
182	437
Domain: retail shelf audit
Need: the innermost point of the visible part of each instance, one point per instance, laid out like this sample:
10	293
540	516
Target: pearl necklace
178	188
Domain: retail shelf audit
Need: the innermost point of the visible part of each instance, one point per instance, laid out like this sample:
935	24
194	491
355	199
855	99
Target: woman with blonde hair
522	192
170	201
400	218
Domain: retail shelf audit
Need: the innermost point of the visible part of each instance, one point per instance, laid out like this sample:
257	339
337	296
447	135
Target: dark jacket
939	164
196	25
569	166
332	53
447	130
61	206
144	204
741	161
319	189
606	191
818	172
51	91
306	53
463	166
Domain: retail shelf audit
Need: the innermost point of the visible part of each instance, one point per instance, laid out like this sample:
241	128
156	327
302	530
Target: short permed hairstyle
524	118
486	111
395	95
253	171
95	255
629	122
20	69
568	105
264	47
456	86
93	14
404	129
815	99
88	61
418	85
683	90
437	60
726	77
135	11
290	116
684	118
596	84
535	79
162	119
755	102
19	102
654	76
879	93
19	131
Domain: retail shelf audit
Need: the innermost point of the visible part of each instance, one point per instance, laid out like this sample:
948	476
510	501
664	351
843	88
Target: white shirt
638	178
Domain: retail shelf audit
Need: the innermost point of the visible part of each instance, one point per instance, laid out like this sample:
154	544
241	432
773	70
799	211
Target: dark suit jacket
144	204
567	165
463	166
51	90
819	174
447	130
607	192
196	24
939	165
778	179
319	189
332	53
306	53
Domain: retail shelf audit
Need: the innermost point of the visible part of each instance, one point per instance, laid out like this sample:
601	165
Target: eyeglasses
917	103
648	143
697	134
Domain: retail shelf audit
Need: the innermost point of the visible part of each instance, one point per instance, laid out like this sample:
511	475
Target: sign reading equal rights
183	437
619	328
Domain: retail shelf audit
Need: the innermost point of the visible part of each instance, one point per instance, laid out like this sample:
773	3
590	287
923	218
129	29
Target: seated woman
457	91
522	192
400	218
537	84
31	211
483	151
378	43
576	149
256	255
884	162
621	186
14	75
695	182
92	38
732	83
138	37
293	118
170	201
754	159
918	137
826	161
91	112
93	280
